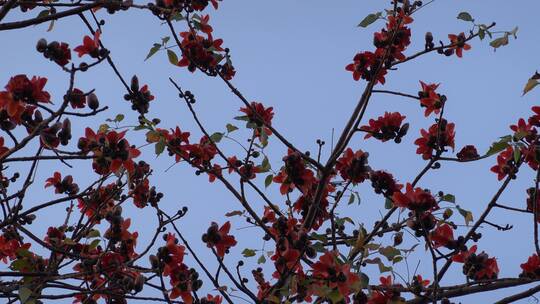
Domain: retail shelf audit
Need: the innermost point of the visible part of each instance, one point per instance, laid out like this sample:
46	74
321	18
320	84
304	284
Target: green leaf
103	128
397	259
364	280
19	264
481	34
244	118
216	137
164	40
261	259
160	147
351	199
24	294
93	234
43	13
173	59
388	204
449	198
382	267
153	50
467	215
118	118
94	244
231	128
500	145
531	84
335	296
268	180
501	41
389	252
517	155
51	26
319	237
177	17
369	19
234	213
465	17
265	165
248	253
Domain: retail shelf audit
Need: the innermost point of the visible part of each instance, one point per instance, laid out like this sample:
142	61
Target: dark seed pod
93	102
41	45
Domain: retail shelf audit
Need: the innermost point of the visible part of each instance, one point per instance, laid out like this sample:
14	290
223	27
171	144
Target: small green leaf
234	213
153	50
160	147
389	252
481	34
173	59
351	199
103	128
465	17
216	137
244	118
248	253
501	41
268	180
261	259
231	128
364	280
319	237
369	19
177	17
94	243
449	198
517	155
24	294
43	13
93	234
265	165
388	204
500	145
164	40
51	26
467	215
531	84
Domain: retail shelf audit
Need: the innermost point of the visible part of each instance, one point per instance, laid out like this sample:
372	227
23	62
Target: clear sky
291	55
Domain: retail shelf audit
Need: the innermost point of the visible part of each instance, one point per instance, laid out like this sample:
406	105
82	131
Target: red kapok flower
467	153
438	136
384	182
386	127
329	271
458	42
353	166
259	117
415	199
531	268
429	99
90	46
505	164
219	238
442	236
3	149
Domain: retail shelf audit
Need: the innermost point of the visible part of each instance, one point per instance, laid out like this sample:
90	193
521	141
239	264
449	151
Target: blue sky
291	55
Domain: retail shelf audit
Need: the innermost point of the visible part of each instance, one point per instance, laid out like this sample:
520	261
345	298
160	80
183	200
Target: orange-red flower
219	238
442	236
329	271
90	46
438	136
458	43
415	199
